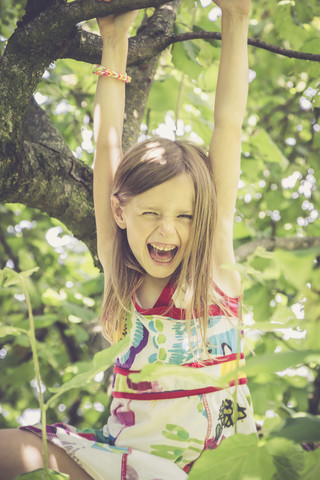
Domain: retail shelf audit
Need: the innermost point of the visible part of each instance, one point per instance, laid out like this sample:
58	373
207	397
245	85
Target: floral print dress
158	428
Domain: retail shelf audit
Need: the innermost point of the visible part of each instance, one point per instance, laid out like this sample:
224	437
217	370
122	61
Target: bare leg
21	451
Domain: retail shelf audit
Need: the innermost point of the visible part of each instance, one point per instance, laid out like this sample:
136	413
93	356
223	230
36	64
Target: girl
162	241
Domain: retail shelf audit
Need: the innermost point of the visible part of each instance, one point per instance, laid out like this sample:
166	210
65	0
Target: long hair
145	166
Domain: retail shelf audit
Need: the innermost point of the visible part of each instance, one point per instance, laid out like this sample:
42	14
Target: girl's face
158	224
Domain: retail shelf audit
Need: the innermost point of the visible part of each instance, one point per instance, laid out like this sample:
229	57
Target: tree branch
159	25
86	47
60	186
44	31
35	43
49	178
35	7
251	41
272	243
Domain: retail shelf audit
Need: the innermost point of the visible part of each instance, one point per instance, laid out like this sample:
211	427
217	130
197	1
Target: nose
166	227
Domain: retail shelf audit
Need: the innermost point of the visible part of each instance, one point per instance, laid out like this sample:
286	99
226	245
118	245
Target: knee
20	452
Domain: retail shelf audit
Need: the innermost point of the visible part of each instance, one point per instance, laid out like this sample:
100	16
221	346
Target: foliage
101	361
278	197
65	296
276	459
10	12
42	475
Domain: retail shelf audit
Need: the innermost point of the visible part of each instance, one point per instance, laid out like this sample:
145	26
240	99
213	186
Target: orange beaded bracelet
106	72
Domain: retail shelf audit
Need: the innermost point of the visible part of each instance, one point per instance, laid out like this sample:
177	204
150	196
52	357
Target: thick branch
45	30
59	185
38	41
159	25
49	178
272	243
35	7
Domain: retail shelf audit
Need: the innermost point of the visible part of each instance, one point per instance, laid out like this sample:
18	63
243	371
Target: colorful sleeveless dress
158	428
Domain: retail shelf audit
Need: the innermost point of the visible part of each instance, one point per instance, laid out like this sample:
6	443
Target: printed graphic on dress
186	449
226	419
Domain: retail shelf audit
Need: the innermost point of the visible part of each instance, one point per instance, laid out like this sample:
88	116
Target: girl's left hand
116	25
234	6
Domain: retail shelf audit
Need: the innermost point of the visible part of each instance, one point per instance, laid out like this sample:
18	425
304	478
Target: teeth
163	249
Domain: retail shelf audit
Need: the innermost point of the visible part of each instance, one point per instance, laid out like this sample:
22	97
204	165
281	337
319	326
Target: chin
165	273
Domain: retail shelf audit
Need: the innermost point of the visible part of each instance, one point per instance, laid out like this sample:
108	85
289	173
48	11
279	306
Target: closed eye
189	217
149	213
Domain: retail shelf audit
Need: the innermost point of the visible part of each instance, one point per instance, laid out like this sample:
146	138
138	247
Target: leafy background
278	197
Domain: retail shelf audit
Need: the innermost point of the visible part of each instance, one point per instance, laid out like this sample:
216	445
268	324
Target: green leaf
101	361
297	265
268	149
312	46
8	330
316	100
301	429
237	457
268	363
78	311
276	362
312	465
165	96
12	277
42	321
184	58
208	78
40	474
260	300
286	26
263	253
288	458
241	230
303	11
187	377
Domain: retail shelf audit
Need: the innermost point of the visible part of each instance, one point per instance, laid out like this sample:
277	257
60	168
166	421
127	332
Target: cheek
136	236
185	233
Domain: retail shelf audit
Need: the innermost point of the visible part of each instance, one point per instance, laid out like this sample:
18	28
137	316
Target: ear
117	211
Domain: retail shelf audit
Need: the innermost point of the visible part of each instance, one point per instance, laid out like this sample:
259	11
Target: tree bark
159	25
272	243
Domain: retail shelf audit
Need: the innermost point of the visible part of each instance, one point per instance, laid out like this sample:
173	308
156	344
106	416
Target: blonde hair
145	166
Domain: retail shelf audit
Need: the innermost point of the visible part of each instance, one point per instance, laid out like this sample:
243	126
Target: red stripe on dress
175	313
124	466
209	417
164	306
124	371
215	361
176	393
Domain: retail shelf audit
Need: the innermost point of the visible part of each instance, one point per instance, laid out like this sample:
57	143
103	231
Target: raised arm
108	125
225	147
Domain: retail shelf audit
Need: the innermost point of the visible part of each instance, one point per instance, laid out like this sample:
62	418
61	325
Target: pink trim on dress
175	393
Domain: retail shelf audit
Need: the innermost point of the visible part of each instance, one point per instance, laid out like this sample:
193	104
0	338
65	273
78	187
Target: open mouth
162	254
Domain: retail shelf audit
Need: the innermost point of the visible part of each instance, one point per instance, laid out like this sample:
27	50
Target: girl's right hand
116	25
234	6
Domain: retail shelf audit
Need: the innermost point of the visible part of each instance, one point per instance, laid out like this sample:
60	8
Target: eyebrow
180	211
